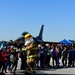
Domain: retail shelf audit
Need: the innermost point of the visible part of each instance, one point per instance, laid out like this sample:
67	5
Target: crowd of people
56	52
11	52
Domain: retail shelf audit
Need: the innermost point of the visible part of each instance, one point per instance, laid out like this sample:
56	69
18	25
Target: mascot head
27	36
28	39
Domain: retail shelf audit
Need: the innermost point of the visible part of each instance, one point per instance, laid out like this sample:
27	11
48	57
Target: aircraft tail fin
40	33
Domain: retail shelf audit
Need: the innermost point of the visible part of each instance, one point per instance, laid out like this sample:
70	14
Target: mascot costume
31	49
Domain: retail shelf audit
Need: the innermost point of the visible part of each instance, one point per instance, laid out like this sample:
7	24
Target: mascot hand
26	48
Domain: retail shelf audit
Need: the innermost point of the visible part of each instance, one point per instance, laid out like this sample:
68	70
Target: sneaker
11	72
8	71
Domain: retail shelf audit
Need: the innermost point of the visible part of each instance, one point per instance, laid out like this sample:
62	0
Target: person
38	55
7	59
73	62
64	56
31	49
70	57
54	55
48	55
58	49
2	61
14	59
23	59
42	57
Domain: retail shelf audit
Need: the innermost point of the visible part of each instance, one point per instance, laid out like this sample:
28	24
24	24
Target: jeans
2	66
8	64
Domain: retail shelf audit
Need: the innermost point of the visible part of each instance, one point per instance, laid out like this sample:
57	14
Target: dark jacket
65	54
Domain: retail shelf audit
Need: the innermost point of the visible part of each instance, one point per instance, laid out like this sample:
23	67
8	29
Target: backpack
12	58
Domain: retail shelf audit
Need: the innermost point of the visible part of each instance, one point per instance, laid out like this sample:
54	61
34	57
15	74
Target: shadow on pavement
40	72
54	74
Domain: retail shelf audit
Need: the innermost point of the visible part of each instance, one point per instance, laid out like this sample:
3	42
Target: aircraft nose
21	38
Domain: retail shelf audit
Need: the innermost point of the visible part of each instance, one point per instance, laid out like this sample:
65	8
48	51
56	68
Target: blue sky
58	17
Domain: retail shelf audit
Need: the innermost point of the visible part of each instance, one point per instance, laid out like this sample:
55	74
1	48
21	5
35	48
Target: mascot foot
27	73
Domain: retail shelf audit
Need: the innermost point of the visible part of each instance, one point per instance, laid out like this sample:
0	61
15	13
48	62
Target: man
70	56
64	56
48	55
31	48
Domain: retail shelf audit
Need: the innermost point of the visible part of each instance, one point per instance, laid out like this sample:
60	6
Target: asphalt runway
48	71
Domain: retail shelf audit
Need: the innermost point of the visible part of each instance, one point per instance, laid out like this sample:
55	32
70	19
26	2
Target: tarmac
47	71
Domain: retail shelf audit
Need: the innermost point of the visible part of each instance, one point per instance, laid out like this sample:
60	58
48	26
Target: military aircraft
39	38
